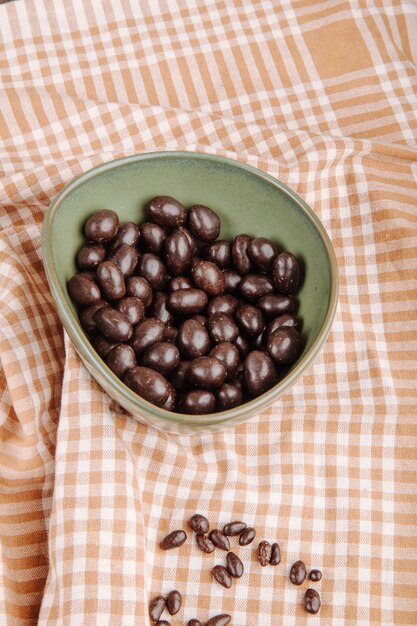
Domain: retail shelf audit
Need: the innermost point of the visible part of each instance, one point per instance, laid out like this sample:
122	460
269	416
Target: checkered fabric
322	94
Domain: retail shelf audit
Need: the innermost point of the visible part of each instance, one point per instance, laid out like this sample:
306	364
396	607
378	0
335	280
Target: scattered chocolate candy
156	607
175	539
220	573
212	319
264	553
315	575
234	565
233	528
219	620
173	602
247	536
199	523
298	573
275	555
194	622
220	540
204	543
311	601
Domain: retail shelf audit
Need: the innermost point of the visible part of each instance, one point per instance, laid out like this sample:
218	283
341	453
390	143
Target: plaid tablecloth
322	95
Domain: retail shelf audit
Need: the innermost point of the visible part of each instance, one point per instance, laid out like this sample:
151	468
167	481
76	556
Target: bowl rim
226	418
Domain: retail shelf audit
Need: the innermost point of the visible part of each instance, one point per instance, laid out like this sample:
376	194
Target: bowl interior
246	199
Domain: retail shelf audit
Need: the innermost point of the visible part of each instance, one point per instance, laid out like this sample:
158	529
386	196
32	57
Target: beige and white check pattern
323	95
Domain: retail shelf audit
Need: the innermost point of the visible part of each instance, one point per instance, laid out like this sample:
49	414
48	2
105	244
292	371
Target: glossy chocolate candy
285	345
193	340
177	253
83	291
204	223
111	280
166	211
206	372
259	372
102	226
149	384
286	273
113	324
90	255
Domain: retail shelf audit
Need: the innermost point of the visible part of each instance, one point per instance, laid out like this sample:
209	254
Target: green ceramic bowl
247	200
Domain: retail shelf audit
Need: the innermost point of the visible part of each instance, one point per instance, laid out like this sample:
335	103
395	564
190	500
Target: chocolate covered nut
159	308
225	303
204	543
152	237
101	226
179	282
163	622
149	384
220	540
147	333
113	324
197	402
179	377
250	320
219	620
175	539
220	573
311	601
138	287
177	253
151	267
187	301
315	575
90	255
203	223
166	211
283	320
87	316
234	565
242	345
228	396
83	290
133	309
128	234
111	280
262	252
198	317
208	277
247	536
218	252
228	354
259	372
102	345
232	281
273	305
174	601
163	357
286	273
233	528
240	255
170	402
298	573
126	258
222	328
206	372
285	345
170	334
194	622
156	608
199	523
264	553
120	359
193	340
275	555
255	286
